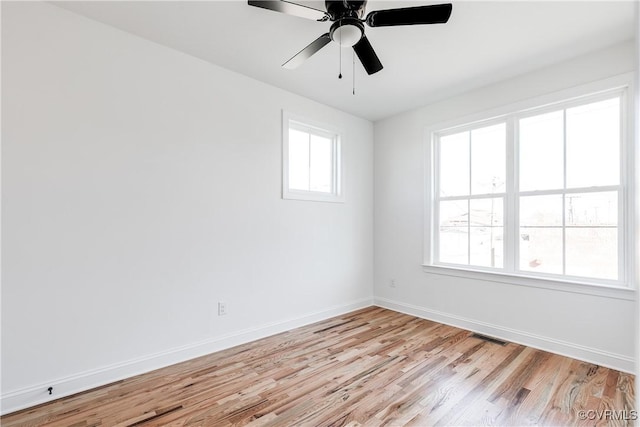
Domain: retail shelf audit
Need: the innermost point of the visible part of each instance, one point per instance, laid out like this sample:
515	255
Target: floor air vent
490	339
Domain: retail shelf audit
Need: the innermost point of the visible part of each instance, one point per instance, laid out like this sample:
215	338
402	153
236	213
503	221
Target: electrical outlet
392	283
222	308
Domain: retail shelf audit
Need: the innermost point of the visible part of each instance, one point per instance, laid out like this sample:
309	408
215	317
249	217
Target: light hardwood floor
372	367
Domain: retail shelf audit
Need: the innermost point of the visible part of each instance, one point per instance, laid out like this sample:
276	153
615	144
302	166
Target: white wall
591	327
140	186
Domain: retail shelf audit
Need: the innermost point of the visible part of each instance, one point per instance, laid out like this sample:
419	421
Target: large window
540	193
311	161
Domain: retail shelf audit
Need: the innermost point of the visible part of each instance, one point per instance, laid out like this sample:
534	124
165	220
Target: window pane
486	232
541	250
454	165
453	245
592	252
592	209
321	164
593	144
298	160
487	212
454	213
541	147
488	159
453	238
541	210
486	248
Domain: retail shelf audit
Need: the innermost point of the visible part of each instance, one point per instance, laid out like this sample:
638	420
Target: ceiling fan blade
433	14
367	56
290	8
308	51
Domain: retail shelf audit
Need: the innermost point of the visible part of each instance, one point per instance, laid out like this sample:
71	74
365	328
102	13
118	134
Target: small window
311	161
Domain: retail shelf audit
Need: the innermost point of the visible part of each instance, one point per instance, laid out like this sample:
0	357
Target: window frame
511	114
292	121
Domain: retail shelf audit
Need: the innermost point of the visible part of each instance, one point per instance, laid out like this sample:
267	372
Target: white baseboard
587	354
35	395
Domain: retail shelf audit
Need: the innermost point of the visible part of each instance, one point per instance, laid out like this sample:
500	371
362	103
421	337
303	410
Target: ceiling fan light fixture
346	32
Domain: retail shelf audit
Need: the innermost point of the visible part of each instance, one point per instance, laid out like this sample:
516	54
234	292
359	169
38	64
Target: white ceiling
483	42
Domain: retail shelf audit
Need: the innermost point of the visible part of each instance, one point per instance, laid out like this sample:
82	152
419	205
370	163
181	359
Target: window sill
312	196
608	291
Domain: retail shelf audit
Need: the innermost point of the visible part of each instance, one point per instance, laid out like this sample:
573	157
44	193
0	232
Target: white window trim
338	179
629	247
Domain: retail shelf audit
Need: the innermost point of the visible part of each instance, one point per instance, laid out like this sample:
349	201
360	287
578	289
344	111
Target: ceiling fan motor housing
338	9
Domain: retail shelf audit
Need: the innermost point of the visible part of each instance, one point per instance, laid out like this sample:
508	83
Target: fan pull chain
353	56
340	55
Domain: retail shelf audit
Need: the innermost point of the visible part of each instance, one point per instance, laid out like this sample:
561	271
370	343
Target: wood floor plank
371	367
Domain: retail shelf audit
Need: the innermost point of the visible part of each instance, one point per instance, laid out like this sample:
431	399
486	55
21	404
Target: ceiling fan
348	25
